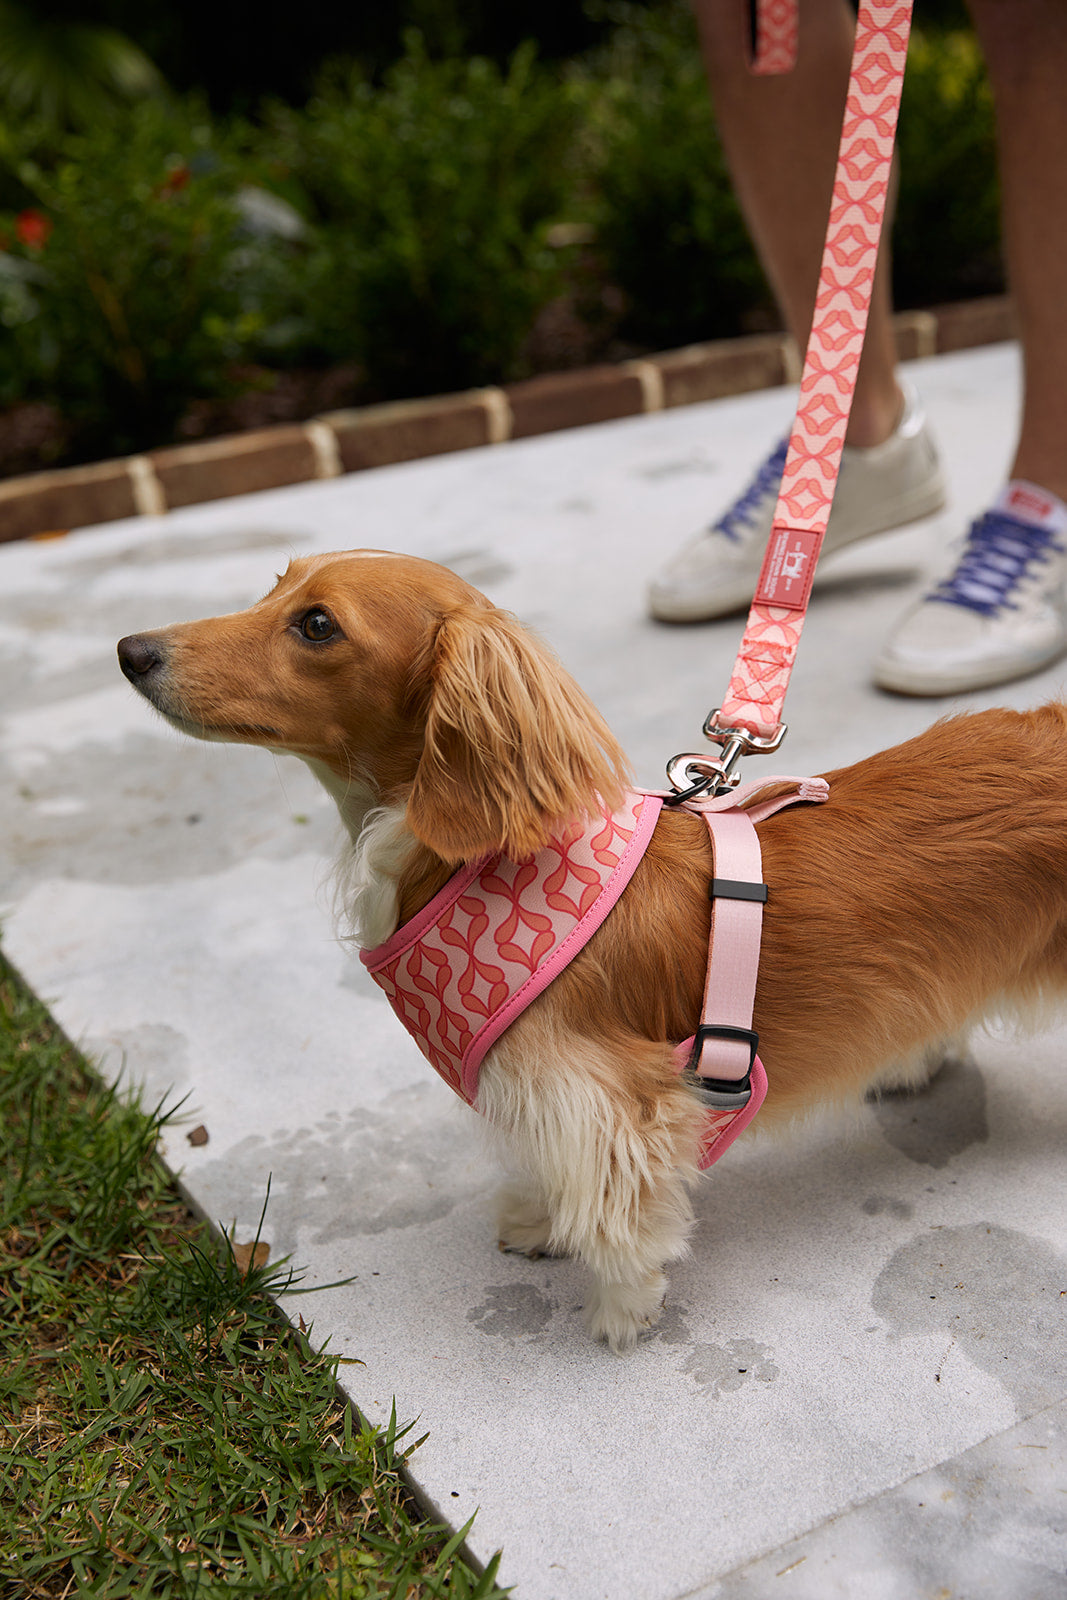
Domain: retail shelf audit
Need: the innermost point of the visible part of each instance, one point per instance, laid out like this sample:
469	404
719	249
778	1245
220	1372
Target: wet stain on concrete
722	1369
369	1172
687	467
150	810
358	980
672	1327
177	545
512	1311
153	1055
28	688
480	567
876	1204
50	629
940	1120
998	1294
716	1369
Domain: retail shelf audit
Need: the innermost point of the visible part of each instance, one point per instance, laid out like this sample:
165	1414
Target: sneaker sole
923	683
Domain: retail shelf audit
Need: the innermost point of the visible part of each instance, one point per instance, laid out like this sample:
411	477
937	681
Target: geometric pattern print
451	971
776	37
757	689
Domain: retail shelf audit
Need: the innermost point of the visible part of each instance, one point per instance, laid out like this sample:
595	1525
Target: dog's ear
512	747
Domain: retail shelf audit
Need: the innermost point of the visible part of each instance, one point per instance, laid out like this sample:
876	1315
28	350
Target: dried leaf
248	1256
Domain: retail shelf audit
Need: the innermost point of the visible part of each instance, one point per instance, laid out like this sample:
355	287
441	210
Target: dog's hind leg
608	1138
910	1076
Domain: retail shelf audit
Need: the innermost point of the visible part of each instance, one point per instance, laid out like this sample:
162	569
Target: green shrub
428	201
128	299
946	239
669	231
432	196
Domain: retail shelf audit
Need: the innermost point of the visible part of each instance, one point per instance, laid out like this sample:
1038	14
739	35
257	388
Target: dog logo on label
793	564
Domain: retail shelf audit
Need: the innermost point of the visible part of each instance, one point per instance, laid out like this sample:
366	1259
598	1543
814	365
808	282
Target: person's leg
1025	45
1002	612
781	135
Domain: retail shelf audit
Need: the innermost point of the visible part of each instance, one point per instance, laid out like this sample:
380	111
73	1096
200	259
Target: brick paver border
40	504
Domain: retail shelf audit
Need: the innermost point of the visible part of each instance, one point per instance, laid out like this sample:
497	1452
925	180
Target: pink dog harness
499	931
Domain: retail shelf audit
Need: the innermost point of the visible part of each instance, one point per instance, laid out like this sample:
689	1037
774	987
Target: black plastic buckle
737	889
722	1093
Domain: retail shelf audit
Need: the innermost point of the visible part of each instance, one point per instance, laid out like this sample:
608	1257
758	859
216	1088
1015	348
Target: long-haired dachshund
928	890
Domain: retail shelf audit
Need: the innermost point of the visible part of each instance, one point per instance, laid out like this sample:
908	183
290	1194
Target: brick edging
43	503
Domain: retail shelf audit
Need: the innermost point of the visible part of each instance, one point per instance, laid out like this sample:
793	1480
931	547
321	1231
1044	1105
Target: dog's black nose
138	656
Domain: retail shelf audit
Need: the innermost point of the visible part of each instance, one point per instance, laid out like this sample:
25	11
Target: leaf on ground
249	1256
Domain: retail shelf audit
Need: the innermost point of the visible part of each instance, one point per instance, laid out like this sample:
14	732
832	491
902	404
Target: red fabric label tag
788	567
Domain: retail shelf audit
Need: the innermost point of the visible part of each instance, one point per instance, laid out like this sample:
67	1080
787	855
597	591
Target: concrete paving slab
869	1316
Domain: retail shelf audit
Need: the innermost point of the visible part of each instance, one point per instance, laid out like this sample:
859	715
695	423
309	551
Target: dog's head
393	674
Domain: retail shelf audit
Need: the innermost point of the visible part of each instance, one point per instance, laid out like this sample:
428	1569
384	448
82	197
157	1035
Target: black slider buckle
737	889
722	1094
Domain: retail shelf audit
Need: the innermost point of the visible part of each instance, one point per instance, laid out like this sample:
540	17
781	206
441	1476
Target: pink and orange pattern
462	970
776	37
757	689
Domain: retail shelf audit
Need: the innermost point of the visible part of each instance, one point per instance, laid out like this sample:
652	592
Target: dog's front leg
524	1219
607	1141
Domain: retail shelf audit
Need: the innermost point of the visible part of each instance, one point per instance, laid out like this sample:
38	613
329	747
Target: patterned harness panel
497	934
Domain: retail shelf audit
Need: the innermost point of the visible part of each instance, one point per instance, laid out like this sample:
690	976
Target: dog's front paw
523	1224
619	1312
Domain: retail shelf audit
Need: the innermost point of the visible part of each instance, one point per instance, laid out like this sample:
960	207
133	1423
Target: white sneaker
882	487
1000	614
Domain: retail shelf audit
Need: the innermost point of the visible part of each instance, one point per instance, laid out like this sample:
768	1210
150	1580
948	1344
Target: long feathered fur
929	890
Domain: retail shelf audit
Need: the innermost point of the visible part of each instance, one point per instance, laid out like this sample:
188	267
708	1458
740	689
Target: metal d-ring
710	777
719	776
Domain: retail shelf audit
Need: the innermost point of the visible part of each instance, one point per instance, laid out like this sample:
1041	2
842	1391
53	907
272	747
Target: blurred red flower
32	229
175	180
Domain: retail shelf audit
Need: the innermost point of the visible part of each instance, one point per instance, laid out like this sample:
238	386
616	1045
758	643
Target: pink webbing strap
733	961
757	689
736	922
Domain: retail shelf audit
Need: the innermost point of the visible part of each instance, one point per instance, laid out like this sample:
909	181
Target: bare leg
780	135
1025	44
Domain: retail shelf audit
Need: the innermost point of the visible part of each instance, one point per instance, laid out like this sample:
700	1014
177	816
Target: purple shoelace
997	555
765	482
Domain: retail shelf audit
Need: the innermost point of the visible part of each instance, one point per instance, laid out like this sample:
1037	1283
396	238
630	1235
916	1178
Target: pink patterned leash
749	719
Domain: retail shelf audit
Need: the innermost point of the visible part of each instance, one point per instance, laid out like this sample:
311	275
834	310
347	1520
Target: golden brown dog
929	890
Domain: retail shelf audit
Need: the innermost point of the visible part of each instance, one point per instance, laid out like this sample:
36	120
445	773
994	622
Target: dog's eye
318	625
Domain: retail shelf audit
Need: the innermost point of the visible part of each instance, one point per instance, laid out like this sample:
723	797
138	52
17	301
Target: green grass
163	1430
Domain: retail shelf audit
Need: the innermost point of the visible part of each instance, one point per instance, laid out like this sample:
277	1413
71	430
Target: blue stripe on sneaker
765	483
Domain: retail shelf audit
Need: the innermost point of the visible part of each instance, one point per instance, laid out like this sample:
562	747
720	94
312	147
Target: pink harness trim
460	972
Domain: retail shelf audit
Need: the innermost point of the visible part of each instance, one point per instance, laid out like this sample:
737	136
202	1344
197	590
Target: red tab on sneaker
1030	503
